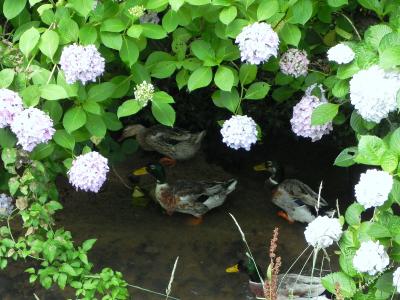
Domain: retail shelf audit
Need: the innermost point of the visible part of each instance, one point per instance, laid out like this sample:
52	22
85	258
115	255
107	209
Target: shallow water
143	242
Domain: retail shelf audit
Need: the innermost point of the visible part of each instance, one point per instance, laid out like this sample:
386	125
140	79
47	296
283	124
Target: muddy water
143	242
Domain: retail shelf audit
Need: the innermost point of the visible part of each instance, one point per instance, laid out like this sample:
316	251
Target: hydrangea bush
73	70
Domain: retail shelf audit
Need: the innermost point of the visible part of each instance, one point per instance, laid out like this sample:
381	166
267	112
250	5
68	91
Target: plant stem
352	25
151	292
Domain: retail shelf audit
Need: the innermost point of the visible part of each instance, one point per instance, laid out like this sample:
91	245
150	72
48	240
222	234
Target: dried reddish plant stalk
271	284
338	293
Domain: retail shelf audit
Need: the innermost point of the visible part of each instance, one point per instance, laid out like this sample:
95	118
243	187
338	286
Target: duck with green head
290	286
298	201
185	196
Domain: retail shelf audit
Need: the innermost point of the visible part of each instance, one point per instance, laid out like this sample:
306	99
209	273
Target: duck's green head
248	267
154	169
273	170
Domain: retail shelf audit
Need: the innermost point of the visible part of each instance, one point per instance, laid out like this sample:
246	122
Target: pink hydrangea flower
294	62
10	105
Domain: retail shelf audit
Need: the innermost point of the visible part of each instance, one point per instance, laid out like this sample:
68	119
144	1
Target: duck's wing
303	192
202	188
299	286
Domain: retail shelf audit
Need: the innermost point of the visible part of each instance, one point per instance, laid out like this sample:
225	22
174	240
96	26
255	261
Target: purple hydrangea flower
32	127
88	172
301	119
10	105
6	205
294	62
257	43
81	63
239	132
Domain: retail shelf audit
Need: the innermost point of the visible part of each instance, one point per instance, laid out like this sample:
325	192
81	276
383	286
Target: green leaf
341	89
49	42
346	157
390	57
153	31
229	100
163	112
176	4
64	139
228	14
113	25
203	50
28	41
267	9
170	21
156	4
224	78
62	280
68	30
302	11
6	77
337	3
163	69
12	8
92	107
53	92
66	268
128	108
353	214
129	52
201	77
257	90
324	113
87	35
346	261
347	71
389	161
162	97
375	34
31	95
101	91
54	110
346	283
96	126
247	73
111	40
74	119
290	34
394	141
135	31
82	7
370	150
88	244
111	121
42	151
378	231
7	139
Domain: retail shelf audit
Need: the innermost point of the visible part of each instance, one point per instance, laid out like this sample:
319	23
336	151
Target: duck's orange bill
260	167
141	171
233	269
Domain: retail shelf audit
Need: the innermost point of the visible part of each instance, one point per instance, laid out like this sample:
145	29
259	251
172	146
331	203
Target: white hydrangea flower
294	62
341	54
257	43
373	188
6	205
150	17
302	113
373	93
88	172
144	93
371	258
81	63
10	105
323	232
239	132
32	127
396	279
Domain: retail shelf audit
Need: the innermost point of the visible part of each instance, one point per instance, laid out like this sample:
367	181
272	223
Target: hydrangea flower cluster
323	231
88	172
257	43
373	93
10	106
341	54
396	279
373	188
301	118
137	11
239	132
144	93
294	62
371	258
81	63
150	17
6	205
32	127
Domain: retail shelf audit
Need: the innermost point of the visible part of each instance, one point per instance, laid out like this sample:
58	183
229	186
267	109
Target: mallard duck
298	200
176	144
189	197
291	286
